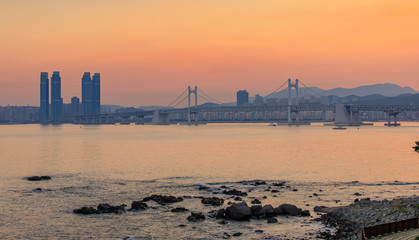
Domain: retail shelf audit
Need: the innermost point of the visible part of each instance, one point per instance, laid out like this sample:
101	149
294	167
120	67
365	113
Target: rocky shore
239	204
350	220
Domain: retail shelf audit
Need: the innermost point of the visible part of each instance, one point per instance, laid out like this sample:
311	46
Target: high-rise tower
96	93
242	98
44	104
86	93
56	100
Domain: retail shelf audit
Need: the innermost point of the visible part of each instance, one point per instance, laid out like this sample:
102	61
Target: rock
319	208
37	190
257	211
234	192
162	200
222	222
258	231
264	197
315	194
179	209
256	201
196	217
107	208
220	213
305	213
274	191
224	186
295	190
258	182
289	209
280	184
86	210
38	178
278	211
238	211
357	194
203	187
137	205
238	199
268	211
237	234
182	225
213	201
101	208
272	220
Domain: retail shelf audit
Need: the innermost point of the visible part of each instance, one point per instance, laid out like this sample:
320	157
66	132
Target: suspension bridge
286	103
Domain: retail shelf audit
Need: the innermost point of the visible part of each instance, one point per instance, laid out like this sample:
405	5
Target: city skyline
236	45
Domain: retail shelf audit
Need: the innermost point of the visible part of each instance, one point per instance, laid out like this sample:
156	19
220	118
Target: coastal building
242	98
258	99
44	98
56	100
96	93
90	89
75	106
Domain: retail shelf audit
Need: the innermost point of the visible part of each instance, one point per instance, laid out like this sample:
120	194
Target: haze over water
117	164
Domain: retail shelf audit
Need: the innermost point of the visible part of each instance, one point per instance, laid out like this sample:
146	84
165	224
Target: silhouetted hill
387	89
404	99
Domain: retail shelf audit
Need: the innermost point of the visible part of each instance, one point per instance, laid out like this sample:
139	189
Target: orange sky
148	52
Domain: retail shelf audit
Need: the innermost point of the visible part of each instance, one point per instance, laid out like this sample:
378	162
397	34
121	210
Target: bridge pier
160	118
389	123
345	116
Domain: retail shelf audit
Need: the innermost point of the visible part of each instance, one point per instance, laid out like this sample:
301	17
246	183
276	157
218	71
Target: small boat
339	128
272	125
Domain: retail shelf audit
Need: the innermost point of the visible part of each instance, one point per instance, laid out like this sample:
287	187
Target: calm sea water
118	164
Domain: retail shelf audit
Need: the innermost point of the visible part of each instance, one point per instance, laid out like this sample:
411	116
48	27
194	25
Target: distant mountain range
386	89
386	93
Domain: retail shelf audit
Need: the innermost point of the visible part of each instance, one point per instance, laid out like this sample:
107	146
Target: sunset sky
149	51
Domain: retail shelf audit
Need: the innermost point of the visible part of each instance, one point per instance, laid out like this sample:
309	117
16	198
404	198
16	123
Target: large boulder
289	209
239	211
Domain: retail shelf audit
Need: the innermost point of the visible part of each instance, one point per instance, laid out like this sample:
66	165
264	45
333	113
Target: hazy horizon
149	52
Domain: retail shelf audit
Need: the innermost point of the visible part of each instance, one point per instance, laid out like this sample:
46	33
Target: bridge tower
291	85
195	91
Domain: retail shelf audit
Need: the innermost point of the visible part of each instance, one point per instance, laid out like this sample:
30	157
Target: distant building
86	94
96	93
44	98
56	100
75	106
90	90
258	99
242	98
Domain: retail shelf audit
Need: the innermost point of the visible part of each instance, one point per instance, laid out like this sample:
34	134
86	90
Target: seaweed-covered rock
162	200
235	192
196	217
213	201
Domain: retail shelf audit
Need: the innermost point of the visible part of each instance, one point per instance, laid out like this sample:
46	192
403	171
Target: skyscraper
44	111
90	89
242	98
75	106
56	100
96	94
86	93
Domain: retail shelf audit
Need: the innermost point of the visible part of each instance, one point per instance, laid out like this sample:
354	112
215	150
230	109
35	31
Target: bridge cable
276	90
177	98
183	99
208	96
